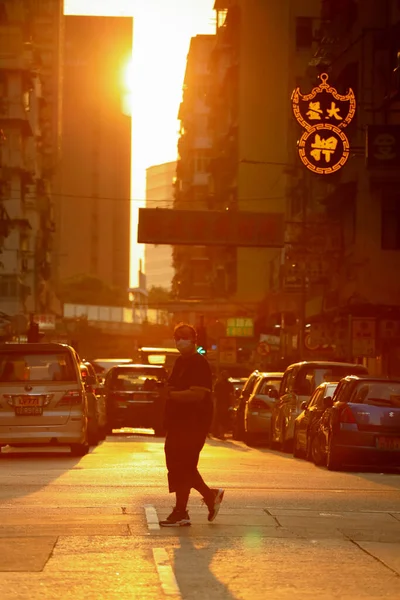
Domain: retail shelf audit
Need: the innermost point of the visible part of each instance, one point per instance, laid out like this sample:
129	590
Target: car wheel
317	456
249	438
297	452
272	441
80	449
94	436
333	459
286	445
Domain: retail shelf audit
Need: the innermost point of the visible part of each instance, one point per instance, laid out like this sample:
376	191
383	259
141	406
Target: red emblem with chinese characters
324	113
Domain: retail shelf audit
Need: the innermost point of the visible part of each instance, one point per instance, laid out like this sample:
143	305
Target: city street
88	528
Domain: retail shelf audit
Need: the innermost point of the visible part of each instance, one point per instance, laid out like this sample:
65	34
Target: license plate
28	401
388	443
28	410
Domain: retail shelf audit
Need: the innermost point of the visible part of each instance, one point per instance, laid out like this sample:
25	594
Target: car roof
326	383
272	374
34	347
132	366
325	363
373	378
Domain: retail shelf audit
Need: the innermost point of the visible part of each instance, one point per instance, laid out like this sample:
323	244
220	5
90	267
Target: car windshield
40	366
140	380
310	377
378	393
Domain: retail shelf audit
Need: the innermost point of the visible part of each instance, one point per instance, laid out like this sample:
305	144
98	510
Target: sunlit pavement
87	528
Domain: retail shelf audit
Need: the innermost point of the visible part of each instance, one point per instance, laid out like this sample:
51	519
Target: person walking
223	392
188	416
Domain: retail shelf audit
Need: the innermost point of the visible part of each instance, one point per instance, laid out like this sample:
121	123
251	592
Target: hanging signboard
324	113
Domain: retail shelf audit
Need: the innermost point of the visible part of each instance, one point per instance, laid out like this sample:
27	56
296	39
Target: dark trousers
182	452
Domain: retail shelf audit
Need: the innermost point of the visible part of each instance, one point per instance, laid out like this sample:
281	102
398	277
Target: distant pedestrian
188	419
224	394
33	330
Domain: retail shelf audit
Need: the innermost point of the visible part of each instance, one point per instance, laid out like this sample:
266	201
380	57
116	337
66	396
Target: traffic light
202	340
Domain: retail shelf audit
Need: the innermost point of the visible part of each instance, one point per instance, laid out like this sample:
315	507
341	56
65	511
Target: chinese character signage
383	146
240	327
324	114
210	228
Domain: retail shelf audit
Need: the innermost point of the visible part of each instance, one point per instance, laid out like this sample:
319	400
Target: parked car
103	365
238	383
298	384
238	419
43	400
134	398
363	423
96	404
258	408
306	424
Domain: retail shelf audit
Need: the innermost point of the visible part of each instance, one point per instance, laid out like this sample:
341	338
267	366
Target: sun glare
153	81
128	76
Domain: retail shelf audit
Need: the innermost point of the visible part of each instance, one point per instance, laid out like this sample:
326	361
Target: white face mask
185	346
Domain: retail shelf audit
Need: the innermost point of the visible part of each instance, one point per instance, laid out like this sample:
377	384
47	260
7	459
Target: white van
42	397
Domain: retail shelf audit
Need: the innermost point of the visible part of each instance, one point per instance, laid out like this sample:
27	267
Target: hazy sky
162	32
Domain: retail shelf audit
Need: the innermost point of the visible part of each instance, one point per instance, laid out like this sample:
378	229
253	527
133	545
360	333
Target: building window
304	32
390	230
8	286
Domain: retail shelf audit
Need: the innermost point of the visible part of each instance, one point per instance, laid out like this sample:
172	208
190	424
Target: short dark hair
186	326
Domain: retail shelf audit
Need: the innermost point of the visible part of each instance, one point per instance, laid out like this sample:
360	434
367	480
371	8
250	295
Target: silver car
258	409
42	397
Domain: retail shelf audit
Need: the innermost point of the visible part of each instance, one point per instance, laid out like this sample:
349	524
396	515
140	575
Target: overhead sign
240	327
227	351
324	113
383	146
210	228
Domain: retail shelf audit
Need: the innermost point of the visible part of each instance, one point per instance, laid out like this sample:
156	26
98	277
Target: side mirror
273	393
328	402
90	380
303	405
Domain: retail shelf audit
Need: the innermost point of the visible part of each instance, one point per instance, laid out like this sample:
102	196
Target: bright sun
153	81
128	76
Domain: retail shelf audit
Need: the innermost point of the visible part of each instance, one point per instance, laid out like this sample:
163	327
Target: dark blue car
362	425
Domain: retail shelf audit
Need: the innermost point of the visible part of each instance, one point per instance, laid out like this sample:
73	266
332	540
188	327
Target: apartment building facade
160	181
357	309
193	267
95	170
30	33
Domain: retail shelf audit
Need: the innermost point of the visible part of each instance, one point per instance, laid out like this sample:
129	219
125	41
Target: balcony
15	52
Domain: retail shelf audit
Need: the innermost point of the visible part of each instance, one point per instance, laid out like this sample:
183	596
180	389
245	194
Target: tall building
159	192
93	214
30	57
194	276
357	309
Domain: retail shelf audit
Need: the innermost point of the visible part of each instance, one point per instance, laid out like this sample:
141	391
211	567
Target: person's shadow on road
192	567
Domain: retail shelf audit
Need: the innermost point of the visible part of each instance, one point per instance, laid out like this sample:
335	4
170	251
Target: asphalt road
87	528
